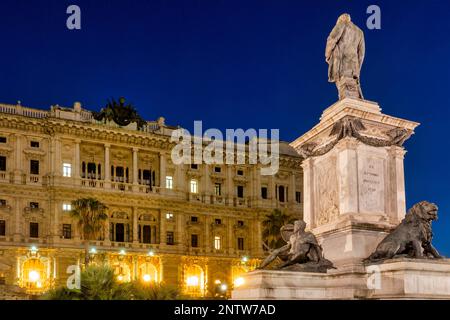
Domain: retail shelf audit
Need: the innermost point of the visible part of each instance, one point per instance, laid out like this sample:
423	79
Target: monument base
394	279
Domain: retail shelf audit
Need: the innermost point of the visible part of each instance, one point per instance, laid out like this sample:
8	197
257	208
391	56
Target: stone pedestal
354	190
395	279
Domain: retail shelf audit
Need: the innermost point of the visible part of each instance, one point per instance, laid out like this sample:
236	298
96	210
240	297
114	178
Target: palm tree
100	283
91	218
271	228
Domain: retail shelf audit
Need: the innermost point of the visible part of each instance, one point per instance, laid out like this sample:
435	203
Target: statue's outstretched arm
274	254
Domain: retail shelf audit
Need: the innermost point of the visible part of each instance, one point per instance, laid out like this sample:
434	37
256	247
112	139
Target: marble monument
354	200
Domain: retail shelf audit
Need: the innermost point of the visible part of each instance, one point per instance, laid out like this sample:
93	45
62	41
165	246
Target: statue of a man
344	54
301	251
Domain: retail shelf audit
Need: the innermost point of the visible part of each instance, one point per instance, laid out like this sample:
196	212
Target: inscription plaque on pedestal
371	184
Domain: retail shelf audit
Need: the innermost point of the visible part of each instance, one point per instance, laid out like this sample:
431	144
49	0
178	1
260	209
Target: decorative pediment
5	150
34	153
120	215
282	175
147	217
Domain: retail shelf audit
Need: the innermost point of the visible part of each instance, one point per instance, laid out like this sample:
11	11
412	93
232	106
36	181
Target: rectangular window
240	223
2	163
67	207
34	230
240	172
169	216
169	238
298	197
240	243
264	192
194	166
146	234
169	182
194	240
217	169
218	221
34	166
194	219
34	144
2	228
217	243
67	231
218	189
240	191
3	203
281	193
34	205
2	139
67	170
194	186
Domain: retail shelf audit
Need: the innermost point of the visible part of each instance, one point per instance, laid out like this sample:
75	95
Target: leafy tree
91	218
271	228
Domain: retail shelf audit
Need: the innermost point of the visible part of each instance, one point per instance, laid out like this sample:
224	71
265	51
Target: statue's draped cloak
345	51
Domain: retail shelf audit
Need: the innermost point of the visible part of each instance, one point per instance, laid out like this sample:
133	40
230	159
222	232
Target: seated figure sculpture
412	237
301	253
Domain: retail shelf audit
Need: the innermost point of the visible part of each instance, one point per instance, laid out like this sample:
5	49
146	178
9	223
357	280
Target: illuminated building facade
190	225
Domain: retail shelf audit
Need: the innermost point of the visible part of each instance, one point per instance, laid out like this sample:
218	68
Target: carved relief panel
326	192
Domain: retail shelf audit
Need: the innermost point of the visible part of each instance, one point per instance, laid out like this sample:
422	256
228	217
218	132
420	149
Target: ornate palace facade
189	225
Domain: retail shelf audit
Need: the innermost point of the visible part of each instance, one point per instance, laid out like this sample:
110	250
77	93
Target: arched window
147	272
194	279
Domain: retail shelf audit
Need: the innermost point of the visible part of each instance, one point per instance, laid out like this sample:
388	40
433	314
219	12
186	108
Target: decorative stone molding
353	127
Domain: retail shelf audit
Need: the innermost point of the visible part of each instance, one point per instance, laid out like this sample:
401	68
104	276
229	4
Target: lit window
67	170
67	207
217	243
194	186
192	281
169	182
169	216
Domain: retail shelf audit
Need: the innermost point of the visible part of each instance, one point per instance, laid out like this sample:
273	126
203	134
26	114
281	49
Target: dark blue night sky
238	64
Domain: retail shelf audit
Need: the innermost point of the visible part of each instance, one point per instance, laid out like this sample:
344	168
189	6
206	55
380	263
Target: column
77	162
57	168
162	170
54	207
107	168
258	249
308	193
208	241
229	182
257	182
162	228
135	169
179	178
17	221
347	170
206	184
272	190
135	226
397	174
292	189
18	160
231	238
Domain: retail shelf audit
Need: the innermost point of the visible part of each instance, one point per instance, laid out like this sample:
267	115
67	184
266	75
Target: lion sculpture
412	237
